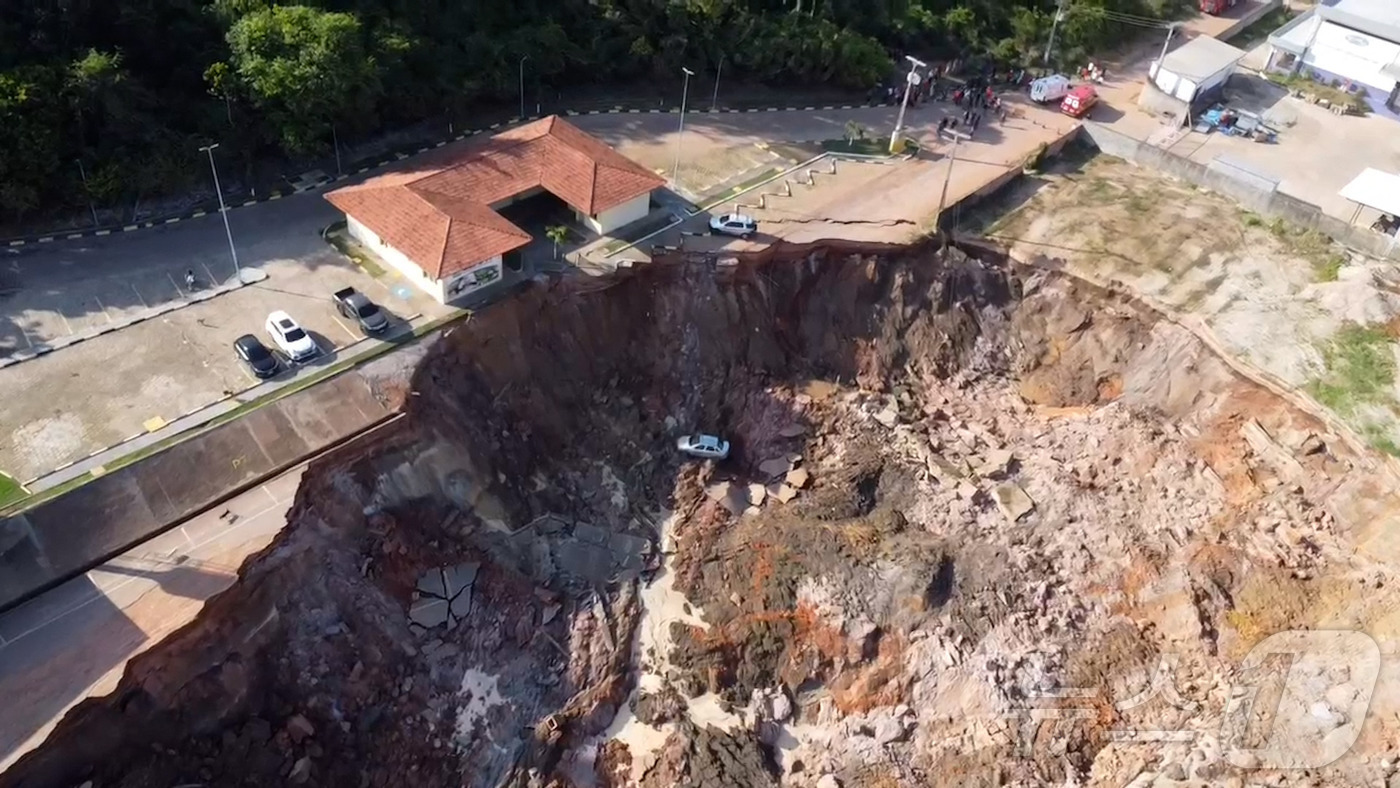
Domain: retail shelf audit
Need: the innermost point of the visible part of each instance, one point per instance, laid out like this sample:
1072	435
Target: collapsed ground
961	496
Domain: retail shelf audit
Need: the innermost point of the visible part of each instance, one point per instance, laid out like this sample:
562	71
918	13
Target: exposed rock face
952	489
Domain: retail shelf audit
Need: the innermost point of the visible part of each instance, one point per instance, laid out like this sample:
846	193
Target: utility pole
943	196
522	86
909	81
223	209
1050	46
87	193
680	133
1171	28
714	100
335	141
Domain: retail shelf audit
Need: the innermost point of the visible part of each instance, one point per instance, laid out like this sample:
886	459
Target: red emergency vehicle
1079	101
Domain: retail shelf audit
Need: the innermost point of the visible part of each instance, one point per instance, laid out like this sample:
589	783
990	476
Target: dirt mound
955	490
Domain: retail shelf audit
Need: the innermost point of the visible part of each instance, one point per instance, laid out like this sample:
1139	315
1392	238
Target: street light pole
680	132
714	100
223	209
522	86
1171	28
335	141
914	65
87	193
1050	45
943	196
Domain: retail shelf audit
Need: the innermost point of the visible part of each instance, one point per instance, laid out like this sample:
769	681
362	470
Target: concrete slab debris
798	478
462	605
431	584
774	467
1013	501
757	494
793	431
429	613
996	463
590	533
458	578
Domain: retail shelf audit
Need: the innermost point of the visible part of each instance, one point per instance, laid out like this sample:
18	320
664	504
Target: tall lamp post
87	193
913	77
680	132
223	209
719	69
522	86
947	176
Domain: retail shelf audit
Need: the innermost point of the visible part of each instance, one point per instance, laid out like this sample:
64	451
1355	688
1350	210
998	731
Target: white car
734	224
291	338
706	447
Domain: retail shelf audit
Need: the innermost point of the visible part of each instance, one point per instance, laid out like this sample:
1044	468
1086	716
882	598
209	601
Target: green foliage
132	88
1359	369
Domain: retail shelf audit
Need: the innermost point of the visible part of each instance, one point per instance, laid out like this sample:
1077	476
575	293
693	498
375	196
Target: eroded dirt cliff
956	490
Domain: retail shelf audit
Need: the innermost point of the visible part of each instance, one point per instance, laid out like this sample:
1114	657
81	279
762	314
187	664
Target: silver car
706	447
736	224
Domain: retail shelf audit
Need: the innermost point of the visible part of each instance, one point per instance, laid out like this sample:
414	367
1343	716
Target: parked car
260	361
1048	89
736	224
1079	101
356	306
708	447
290	337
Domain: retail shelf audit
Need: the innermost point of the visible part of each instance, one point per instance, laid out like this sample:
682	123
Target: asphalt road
74	642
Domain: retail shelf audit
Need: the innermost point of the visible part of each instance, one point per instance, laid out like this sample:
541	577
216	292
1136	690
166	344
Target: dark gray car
355	305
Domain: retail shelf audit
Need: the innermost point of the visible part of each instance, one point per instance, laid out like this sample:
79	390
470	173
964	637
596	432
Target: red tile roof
440	214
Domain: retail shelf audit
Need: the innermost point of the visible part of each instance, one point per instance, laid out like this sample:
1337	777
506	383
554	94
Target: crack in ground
873	223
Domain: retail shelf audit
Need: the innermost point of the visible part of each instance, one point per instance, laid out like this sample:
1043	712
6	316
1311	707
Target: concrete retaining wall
70	534
1249	195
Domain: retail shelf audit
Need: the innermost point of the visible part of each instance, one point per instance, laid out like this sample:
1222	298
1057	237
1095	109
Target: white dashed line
139	297
178	292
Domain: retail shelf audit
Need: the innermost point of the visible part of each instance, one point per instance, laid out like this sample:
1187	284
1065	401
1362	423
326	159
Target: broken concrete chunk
967	491
784	493
996	463
828	781
888	415
717	492
458	578
797	478
429	613
792	431
548	613
890	730
774	467
1013	501
780	707
757	494
462	604
299	727
301	771
431	584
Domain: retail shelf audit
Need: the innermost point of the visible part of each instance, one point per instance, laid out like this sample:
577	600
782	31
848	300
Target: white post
914	63
680	132
714	100
223	209
522	86
1050	46
943	196
335	140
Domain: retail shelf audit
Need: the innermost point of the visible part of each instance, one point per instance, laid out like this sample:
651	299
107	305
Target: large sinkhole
945	474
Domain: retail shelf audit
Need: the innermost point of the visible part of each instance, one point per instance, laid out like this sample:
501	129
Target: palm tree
558	234
854	131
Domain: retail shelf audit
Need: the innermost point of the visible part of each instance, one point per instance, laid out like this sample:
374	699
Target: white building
1353	42
1189	75
439	225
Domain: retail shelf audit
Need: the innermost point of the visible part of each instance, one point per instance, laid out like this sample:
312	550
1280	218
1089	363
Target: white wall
396	259
624	214
472	279
1184	89
1355	56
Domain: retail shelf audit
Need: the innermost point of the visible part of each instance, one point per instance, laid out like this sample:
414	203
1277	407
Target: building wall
624	214
396	259
472	279
1174	85
1352	55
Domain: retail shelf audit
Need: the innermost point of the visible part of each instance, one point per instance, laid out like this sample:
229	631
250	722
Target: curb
394	158
238	395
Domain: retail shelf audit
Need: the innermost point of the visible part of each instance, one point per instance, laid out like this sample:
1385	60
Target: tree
557	233
854	131
305	69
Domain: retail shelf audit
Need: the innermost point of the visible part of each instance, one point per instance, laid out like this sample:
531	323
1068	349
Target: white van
1051	88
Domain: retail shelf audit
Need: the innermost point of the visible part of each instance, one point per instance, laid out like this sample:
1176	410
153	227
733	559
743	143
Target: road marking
139	297
103	232
65	322
103	308
212	281
172	220
343	326
104	593
25	333
196	214
178	292
270	495
71	236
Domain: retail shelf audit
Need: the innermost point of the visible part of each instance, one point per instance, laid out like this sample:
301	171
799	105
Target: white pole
1050	46
223	209
335	140
522	86
680	132
1162	57
914	64
943	197
714	100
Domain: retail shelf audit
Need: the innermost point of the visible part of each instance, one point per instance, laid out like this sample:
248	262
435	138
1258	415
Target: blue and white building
1354	42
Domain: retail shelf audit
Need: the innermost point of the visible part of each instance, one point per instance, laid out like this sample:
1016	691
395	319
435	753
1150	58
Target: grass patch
351	250
1260	29
864	146
1316	89
1310	245
10	491
1359	369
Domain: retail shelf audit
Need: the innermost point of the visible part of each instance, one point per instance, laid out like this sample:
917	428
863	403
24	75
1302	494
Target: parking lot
64	406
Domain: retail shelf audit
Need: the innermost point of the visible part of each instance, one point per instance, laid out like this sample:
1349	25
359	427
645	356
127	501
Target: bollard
762	201
787	188
810	179
832	163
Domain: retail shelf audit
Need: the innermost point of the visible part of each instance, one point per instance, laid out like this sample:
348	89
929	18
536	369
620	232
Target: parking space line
139	297
171	277
66	324
24	332
343	327
103	307
212	281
